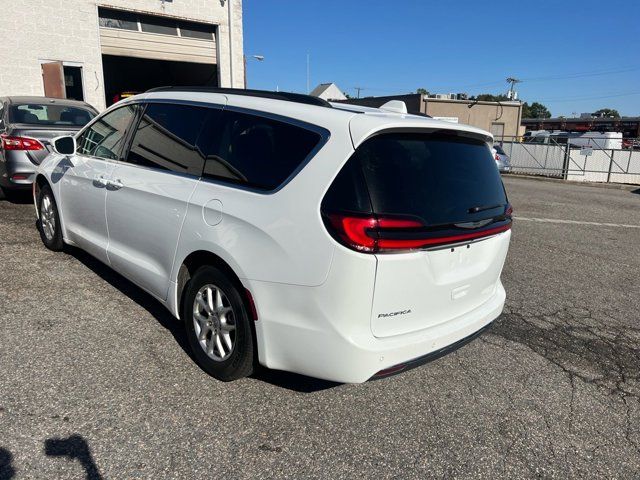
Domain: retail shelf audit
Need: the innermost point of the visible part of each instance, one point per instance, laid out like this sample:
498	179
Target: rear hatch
432	208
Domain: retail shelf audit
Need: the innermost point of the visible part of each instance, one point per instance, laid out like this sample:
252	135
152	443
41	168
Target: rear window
499	149
437	179
47	114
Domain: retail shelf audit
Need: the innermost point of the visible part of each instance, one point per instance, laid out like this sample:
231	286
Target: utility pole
512	81
358	90
308	89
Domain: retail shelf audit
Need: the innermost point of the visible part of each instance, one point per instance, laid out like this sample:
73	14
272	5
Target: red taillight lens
509	211
356	231
20	143
497	157
372	235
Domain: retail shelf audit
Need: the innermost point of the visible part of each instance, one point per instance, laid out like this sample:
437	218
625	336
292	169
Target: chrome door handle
101	181
116	184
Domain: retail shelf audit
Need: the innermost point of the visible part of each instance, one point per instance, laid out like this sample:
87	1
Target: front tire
217	325
49	220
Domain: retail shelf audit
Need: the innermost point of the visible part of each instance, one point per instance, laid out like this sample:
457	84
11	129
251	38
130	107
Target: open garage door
130	75
142	51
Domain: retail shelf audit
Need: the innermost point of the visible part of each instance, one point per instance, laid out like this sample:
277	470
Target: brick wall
67	30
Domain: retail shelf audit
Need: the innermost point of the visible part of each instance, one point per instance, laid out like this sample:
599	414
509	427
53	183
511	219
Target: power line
573	99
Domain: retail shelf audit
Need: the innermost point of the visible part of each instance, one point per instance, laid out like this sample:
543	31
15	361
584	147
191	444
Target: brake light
20	143
372	234
497	157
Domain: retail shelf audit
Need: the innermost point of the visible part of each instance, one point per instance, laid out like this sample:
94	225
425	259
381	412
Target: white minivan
330	240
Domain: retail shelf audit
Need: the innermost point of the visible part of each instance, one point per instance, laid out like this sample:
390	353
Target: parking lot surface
96	381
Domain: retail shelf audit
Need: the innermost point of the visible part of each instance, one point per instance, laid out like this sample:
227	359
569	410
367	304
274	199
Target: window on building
196	30
165	26
118	19
154	24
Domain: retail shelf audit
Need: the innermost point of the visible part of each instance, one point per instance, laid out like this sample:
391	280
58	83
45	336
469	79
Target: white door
83	183
149	193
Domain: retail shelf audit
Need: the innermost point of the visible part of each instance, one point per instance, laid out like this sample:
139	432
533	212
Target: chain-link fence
562	159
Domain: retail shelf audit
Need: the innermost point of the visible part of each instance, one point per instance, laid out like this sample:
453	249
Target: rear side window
166	138
434	179
256	151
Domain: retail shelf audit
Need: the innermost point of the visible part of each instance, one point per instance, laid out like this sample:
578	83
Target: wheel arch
39	182
201	258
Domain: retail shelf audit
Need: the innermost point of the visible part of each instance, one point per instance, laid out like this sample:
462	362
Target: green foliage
607	112
535	110
423	91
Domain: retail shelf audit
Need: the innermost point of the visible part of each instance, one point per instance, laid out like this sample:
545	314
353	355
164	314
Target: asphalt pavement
96	381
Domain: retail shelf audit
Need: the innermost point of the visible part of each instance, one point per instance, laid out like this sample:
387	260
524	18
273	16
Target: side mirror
64	145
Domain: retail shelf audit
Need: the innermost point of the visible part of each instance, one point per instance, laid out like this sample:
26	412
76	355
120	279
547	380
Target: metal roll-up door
130	34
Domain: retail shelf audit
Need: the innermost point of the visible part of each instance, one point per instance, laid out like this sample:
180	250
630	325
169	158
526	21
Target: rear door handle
101	181
116	184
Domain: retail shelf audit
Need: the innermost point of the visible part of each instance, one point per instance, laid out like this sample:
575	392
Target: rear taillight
9	142
370	234
497	157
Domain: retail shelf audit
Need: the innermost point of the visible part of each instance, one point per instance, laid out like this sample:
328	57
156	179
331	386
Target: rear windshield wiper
482	208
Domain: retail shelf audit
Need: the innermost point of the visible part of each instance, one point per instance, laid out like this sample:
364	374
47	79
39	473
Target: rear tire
218	325
49	220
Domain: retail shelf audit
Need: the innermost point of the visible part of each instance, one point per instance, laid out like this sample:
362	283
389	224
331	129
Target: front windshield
55	115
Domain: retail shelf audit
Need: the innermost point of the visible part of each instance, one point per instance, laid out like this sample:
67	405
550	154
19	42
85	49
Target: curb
612	186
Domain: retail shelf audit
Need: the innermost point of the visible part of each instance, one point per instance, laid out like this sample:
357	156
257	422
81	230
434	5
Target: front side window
256	151
166	138
106	137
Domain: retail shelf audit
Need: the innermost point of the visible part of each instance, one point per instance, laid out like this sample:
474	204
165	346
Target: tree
488	97
607	112
535	110
422	91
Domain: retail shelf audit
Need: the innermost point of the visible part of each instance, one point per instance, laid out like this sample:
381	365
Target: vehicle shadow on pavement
7	470
19	197
290	381
636	191
135	293
74	447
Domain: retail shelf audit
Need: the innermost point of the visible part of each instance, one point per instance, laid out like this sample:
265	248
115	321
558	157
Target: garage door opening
126	75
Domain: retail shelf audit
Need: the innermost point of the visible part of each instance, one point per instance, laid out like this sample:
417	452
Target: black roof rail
287	96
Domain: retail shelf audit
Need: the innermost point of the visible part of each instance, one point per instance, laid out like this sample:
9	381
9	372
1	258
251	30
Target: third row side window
256	151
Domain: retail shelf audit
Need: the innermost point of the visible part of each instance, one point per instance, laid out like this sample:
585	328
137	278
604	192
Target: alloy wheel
214	322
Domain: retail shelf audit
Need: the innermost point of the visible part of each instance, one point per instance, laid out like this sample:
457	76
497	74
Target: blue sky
574	56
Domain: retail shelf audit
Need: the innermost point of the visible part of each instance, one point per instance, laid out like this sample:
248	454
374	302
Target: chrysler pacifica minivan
330	240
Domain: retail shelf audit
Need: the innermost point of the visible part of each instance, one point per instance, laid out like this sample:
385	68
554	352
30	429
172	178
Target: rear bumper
312	341
17	171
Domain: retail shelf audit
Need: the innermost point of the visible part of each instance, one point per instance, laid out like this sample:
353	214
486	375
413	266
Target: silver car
502	159
27	124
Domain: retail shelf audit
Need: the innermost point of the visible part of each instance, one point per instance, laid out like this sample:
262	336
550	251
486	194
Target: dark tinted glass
348	192
105	138
257	151
196	30
434	178
118	19
166	138
48	114
499	149
158	25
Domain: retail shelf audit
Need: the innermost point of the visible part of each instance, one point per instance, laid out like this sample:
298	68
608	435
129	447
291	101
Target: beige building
500	118
99	50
